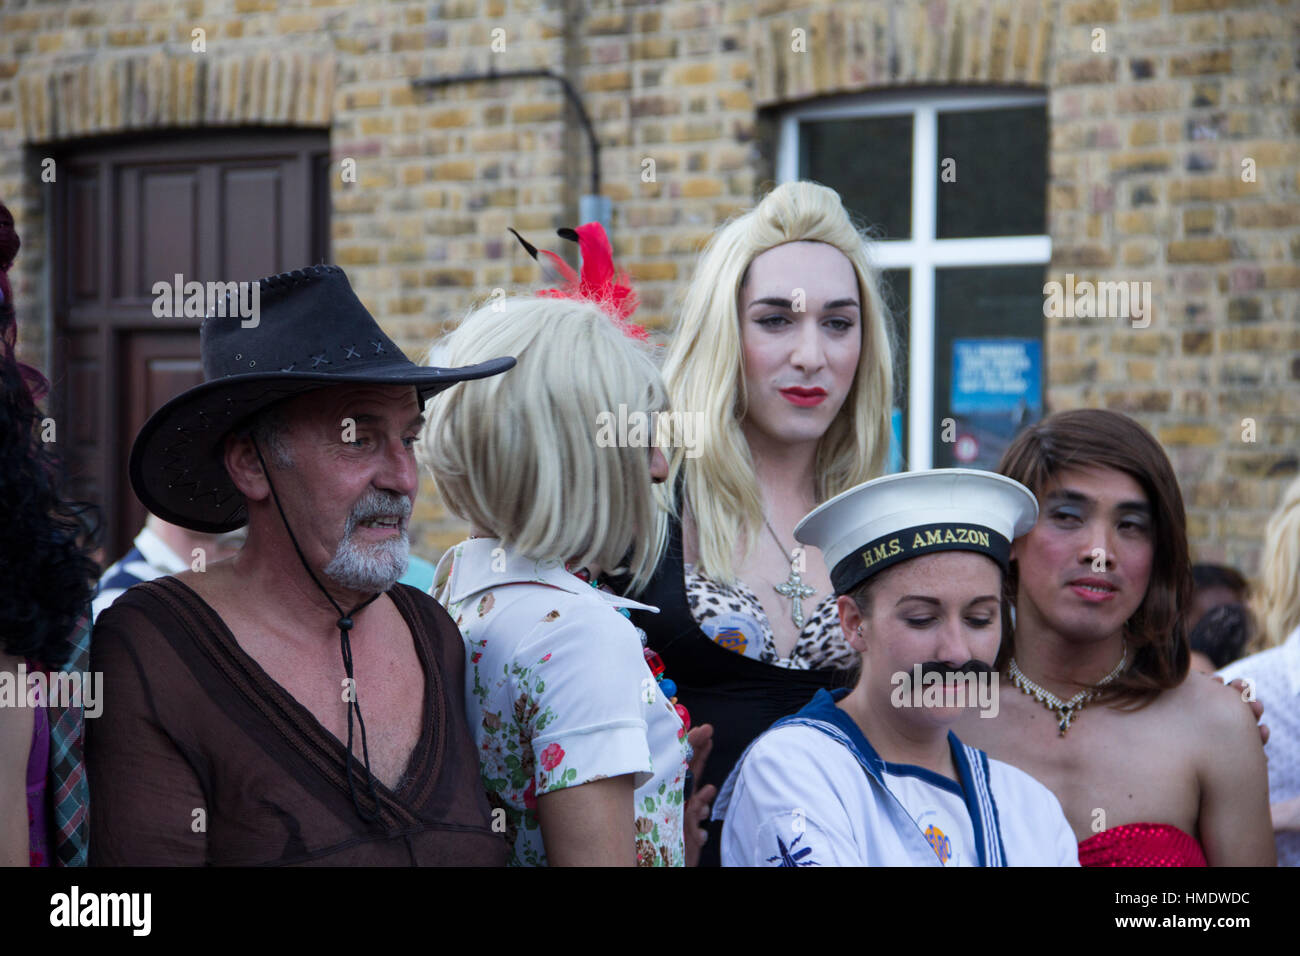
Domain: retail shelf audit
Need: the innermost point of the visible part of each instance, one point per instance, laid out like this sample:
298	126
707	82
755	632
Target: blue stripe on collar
973	768
926	775
823	707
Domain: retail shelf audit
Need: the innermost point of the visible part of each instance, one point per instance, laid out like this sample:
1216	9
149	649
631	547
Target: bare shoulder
1208	709
202	583
219	585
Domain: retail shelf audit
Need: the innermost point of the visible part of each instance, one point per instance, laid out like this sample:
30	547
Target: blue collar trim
972	769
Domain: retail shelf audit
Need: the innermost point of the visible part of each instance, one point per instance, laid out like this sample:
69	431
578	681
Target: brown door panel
153	368
213	207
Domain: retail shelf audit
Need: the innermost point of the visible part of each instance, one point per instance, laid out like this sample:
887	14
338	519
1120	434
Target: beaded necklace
1065	710
666	686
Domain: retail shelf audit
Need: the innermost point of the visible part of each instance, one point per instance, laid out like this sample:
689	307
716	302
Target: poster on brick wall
997	389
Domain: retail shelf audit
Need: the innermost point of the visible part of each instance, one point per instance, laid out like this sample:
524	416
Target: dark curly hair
1223	633
47	576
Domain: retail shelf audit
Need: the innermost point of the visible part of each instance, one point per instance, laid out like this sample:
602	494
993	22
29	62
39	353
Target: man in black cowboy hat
232	731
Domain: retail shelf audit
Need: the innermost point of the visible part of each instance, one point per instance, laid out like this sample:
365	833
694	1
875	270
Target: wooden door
212	206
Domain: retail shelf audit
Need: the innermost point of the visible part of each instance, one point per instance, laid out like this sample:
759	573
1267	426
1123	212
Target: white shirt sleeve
1034	826
580	681
1067	847
792	804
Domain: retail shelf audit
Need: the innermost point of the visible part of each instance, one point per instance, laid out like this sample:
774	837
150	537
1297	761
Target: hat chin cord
344	625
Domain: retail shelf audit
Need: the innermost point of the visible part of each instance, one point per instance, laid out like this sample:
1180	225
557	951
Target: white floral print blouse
559	694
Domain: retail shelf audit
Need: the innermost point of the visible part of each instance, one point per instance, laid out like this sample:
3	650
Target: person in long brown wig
1152	765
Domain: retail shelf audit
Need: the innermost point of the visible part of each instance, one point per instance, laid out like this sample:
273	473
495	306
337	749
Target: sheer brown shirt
199	757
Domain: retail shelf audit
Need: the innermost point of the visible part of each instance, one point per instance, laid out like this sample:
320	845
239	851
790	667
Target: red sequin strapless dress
1142	844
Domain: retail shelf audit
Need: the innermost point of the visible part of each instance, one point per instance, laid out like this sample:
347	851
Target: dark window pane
896	287
996	316
1000	170
868	161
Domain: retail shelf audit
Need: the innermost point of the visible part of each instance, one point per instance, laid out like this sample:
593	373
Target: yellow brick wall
1147	140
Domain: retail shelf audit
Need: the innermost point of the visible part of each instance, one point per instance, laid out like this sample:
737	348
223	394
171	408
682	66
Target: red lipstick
804	397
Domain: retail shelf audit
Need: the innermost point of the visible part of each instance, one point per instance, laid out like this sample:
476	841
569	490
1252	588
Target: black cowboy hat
311	331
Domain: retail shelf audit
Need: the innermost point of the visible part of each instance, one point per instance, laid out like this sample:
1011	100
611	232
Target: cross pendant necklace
793	588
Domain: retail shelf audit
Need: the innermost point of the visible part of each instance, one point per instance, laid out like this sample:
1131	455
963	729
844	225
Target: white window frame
922	254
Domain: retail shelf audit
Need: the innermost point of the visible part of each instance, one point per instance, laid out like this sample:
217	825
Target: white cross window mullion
922	254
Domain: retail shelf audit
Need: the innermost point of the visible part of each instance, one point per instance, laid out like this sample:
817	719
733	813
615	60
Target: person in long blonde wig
1276	602
703	372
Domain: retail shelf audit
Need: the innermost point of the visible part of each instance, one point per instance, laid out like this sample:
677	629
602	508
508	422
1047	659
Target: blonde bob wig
704	372
1277	600
518	454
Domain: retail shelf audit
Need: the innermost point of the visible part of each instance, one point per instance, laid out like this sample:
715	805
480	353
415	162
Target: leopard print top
733	617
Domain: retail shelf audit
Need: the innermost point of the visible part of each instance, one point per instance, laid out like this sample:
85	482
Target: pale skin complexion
783	349
1192	758
593	824
817	348
939	607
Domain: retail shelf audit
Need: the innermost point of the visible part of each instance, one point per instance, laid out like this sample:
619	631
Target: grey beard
376	568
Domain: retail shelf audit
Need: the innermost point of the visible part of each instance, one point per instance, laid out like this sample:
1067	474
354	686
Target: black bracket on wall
570	93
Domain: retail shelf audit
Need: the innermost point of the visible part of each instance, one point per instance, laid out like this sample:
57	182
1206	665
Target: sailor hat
879	523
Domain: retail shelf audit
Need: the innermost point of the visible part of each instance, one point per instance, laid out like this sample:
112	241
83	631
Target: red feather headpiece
598	283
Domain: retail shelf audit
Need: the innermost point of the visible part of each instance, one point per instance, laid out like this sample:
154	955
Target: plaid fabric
67	787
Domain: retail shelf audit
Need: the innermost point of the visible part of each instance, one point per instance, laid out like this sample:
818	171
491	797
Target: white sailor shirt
811	791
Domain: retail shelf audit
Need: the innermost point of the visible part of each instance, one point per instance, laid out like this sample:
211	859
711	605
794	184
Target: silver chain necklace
793	587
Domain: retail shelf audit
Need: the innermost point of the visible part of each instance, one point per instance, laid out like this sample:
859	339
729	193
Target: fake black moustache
972	666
